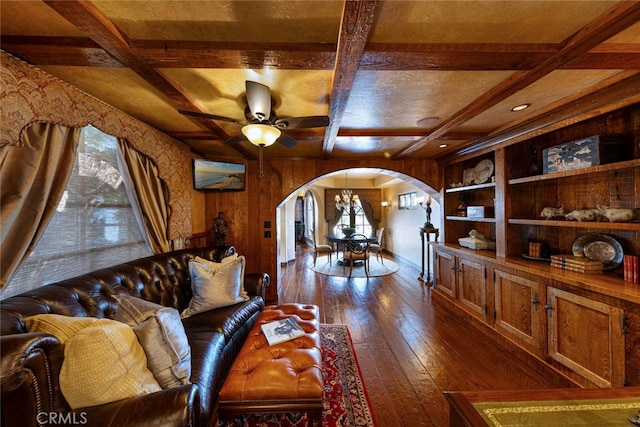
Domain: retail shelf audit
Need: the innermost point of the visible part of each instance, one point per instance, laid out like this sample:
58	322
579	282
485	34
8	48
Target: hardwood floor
410	350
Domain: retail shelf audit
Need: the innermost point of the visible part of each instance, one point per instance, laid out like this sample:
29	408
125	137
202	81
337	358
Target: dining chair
319	249
357	250
377	246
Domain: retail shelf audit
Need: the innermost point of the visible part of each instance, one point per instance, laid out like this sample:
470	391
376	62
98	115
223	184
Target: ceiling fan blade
259	100
287	141
235	139
211	116
303	122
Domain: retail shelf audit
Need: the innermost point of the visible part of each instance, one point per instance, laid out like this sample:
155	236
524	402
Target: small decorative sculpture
476	240
583	215
549	212
476	234
618	215
426	204
220	229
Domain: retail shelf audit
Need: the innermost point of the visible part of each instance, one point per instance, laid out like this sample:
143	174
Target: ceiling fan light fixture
261	135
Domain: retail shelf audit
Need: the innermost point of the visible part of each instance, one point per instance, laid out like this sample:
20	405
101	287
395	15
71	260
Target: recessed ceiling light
520	107
428	121
443	145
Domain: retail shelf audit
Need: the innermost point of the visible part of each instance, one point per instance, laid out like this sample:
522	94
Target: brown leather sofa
31	362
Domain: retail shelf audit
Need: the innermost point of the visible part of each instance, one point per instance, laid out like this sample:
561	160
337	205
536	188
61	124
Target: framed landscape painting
221	176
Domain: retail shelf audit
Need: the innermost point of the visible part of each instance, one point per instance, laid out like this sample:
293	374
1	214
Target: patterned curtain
33	178
148	196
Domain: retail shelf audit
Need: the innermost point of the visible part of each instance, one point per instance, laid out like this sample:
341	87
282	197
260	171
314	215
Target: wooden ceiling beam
88	19
71	51
621	16
79	51
357	22
490	56
196	54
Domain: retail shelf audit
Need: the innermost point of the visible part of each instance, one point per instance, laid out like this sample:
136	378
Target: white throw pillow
215	285
215	266
163	338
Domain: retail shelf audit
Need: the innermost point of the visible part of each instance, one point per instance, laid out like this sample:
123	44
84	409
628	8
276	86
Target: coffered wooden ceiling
397	79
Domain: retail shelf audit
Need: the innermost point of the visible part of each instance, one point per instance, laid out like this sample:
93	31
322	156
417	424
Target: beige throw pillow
103	364
61	327
216	285
163	338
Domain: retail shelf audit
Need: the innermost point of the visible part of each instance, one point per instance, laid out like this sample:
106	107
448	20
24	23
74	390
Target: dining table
343	241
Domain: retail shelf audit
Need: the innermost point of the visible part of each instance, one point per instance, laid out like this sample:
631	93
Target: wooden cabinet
570	322
519	310
445	277
463	280
472	287
587	337
580	334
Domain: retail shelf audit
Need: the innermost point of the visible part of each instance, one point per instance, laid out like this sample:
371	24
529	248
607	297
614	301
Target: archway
408	235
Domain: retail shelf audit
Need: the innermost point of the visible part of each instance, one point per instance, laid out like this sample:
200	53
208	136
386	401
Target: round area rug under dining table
376	268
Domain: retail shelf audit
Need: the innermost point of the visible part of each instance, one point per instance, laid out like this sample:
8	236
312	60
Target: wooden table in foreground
462	413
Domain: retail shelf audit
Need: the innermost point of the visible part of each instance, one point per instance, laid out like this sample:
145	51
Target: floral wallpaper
29	95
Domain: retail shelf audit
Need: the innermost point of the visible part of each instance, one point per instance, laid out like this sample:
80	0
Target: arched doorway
401	226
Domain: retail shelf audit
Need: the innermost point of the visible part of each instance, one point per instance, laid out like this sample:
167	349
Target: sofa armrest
256	284
177	406
30	364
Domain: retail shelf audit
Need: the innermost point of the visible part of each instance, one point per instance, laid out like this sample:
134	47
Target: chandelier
346	200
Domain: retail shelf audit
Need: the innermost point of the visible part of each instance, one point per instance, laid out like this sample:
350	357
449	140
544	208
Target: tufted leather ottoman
285	377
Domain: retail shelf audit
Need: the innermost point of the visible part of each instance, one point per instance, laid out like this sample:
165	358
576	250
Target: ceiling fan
262	127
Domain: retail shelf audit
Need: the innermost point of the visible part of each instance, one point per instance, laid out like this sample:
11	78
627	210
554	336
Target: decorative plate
483	171
599	247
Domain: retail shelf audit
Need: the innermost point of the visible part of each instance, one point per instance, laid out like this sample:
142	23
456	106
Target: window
407	201
310	208
94	225
356	217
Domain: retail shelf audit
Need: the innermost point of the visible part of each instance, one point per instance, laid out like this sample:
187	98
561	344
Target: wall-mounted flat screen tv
222	176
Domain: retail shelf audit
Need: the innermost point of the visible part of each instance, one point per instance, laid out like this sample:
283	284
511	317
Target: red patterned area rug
346	402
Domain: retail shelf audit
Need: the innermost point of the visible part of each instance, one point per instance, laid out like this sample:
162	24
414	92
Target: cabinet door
586	336
445	273
519	311
472	290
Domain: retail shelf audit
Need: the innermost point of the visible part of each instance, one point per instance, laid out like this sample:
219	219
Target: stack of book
631	268
575	263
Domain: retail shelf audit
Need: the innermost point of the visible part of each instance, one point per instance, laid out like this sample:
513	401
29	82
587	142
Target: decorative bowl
348	231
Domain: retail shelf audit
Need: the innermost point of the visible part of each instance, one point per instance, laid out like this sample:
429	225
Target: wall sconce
386	204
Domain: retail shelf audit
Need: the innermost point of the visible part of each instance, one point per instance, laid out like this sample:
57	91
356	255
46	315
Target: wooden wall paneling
623	188
248	210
